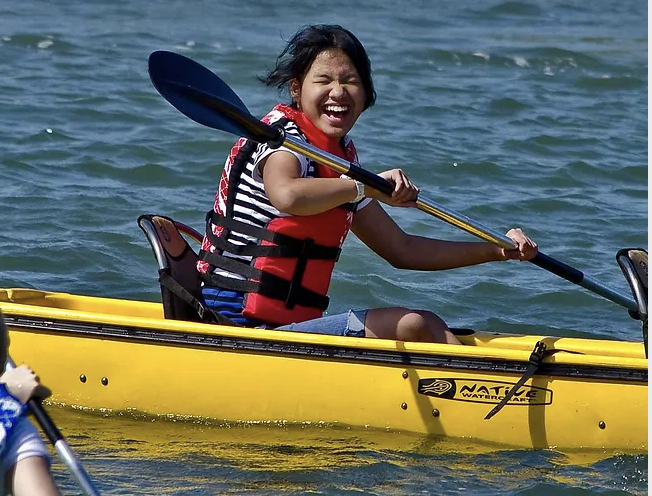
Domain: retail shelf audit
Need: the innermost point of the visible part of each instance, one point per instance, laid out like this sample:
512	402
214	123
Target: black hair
302	49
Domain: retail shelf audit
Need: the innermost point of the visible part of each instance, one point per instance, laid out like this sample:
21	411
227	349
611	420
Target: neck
315	135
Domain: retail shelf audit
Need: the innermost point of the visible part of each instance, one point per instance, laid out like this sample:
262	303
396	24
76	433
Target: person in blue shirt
24	458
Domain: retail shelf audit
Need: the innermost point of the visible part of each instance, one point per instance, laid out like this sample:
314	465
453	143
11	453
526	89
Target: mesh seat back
177	260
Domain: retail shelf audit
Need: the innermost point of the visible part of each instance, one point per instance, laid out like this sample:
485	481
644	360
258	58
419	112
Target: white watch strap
359	187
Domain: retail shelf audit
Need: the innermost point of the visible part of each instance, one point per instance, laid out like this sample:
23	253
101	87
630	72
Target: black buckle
537	353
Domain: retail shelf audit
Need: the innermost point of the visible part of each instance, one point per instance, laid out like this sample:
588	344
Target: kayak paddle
202	96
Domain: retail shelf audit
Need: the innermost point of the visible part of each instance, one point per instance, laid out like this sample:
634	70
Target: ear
295	90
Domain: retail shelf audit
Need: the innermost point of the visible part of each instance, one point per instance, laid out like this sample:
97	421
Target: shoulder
263	151
277	116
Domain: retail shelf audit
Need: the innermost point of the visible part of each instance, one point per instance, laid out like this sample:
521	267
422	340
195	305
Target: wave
606	82
521	9
150	174
506	106
50	42
544	58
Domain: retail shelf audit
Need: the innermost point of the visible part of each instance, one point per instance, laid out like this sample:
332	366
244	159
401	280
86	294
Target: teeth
336	108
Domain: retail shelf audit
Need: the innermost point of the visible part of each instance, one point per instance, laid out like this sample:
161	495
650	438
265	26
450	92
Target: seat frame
633	263
180	282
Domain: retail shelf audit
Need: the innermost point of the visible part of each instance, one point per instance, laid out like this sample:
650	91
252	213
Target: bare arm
378	231
292	194
31	476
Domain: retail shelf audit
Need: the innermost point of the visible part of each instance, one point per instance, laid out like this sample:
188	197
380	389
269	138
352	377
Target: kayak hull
120	355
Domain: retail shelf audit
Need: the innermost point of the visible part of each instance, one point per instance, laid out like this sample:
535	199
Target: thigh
351	323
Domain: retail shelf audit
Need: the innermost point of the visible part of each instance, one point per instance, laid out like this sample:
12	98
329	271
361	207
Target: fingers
22	382
404	193
526	249
404	189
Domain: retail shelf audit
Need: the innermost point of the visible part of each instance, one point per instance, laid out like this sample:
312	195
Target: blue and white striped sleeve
263	151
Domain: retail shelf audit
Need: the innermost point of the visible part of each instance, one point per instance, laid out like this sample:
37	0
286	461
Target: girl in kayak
24	459
279	219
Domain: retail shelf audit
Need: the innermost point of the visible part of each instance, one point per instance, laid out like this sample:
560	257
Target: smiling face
331	93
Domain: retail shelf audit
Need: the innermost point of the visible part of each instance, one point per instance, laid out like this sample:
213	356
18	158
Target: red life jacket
291	266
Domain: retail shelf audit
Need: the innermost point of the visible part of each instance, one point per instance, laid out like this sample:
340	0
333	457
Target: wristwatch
358	186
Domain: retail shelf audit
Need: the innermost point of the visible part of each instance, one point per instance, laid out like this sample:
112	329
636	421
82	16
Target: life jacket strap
206	314
295	284
264	283
286	246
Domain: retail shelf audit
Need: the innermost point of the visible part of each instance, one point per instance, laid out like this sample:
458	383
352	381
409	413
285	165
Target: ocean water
514	113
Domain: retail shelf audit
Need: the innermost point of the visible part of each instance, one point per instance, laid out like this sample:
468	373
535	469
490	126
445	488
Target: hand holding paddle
23	384
525	250
202	96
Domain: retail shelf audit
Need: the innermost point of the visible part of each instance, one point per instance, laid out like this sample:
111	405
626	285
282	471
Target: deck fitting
405	374
435	412
602	425
105	381
82	378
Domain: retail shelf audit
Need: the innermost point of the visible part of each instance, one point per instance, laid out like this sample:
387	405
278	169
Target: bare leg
31	477
404	324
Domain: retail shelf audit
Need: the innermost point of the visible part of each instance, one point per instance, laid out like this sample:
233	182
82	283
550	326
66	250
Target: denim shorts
343	324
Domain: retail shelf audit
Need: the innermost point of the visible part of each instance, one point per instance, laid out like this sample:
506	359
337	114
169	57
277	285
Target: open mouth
336	113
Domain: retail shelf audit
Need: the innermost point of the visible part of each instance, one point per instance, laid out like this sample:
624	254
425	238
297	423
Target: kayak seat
178	276
633	263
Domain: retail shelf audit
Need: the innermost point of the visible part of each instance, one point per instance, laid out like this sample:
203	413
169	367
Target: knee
421	325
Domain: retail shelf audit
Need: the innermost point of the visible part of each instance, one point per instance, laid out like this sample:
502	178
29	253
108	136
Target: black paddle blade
201	95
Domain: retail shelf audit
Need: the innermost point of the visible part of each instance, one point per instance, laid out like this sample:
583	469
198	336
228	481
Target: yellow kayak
123	356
